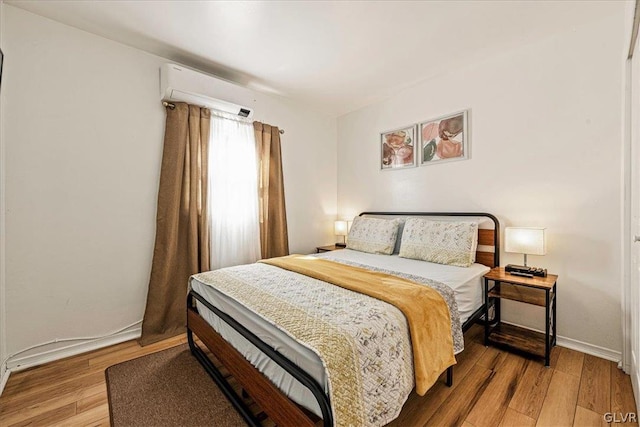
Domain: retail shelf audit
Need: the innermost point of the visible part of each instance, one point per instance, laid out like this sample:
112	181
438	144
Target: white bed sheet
466	283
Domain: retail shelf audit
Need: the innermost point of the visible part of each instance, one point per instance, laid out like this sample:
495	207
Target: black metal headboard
486	236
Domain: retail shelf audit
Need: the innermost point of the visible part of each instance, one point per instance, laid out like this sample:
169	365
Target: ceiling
336	56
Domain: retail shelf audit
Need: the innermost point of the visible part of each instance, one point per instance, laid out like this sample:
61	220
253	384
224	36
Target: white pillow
442	242
373	235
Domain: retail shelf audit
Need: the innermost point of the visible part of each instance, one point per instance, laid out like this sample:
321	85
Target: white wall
546	138
83	125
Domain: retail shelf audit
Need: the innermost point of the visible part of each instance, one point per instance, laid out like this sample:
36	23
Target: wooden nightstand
540	291
329	248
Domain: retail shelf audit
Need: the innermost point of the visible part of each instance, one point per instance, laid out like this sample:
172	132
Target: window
233	193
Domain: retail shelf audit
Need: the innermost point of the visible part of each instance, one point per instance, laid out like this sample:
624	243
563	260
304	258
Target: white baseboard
4	377
593	350
24	362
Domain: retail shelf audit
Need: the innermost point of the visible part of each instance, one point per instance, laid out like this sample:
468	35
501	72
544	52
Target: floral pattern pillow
442	242
373	235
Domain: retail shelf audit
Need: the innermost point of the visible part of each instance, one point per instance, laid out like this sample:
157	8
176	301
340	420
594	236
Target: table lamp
340	229
526	241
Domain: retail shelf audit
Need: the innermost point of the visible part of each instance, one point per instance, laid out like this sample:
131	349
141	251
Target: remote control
517	273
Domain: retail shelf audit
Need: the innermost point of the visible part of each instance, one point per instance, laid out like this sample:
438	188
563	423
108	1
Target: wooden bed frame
277	405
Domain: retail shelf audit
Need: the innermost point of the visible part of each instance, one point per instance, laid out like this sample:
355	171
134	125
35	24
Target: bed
289	380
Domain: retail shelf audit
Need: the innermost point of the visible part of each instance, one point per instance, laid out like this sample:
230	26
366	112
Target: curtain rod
172	106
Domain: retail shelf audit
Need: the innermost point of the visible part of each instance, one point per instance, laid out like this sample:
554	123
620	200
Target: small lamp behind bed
527	241
340	228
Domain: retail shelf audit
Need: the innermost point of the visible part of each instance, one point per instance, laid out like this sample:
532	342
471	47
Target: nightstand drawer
519	293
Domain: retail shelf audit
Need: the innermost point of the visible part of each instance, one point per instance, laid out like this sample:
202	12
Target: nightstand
329	248
540	291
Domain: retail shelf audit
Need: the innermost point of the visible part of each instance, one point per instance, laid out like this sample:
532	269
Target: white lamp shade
525	240
340	228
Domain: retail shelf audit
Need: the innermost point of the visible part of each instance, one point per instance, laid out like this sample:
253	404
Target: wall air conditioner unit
184	85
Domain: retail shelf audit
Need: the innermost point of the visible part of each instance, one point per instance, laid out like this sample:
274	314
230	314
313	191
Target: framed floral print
444	139
397	148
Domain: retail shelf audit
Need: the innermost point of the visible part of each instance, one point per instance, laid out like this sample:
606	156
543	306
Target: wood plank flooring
491	388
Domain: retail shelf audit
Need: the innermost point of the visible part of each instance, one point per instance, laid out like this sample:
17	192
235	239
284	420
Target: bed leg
449	376
192	345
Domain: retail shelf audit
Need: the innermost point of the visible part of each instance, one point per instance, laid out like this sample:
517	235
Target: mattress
466	283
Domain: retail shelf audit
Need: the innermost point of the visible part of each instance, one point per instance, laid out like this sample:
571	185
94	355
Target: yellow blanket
426	311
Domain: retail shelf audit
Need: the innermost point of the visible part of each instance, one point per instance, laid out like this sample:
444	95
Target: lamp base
513	268
341	245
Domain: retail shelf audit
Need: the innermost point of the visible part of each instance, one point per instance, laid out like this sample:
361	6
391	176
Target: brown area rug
168	388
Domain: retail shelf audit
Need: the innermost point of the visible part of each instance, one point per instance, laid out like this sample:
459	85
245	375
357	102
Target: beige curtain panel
182	240
274	240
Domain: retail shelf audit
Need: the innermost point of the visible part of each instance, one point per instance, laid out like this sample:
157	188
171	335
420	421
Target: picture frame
398	148
444	139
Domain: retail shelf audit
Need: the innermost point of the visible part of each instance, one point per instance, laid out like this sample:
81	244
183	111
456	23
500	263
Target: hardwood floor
491	388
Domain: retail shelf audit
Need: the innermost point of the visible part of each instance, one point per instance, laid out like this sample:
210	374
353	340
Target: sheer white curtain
233	193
